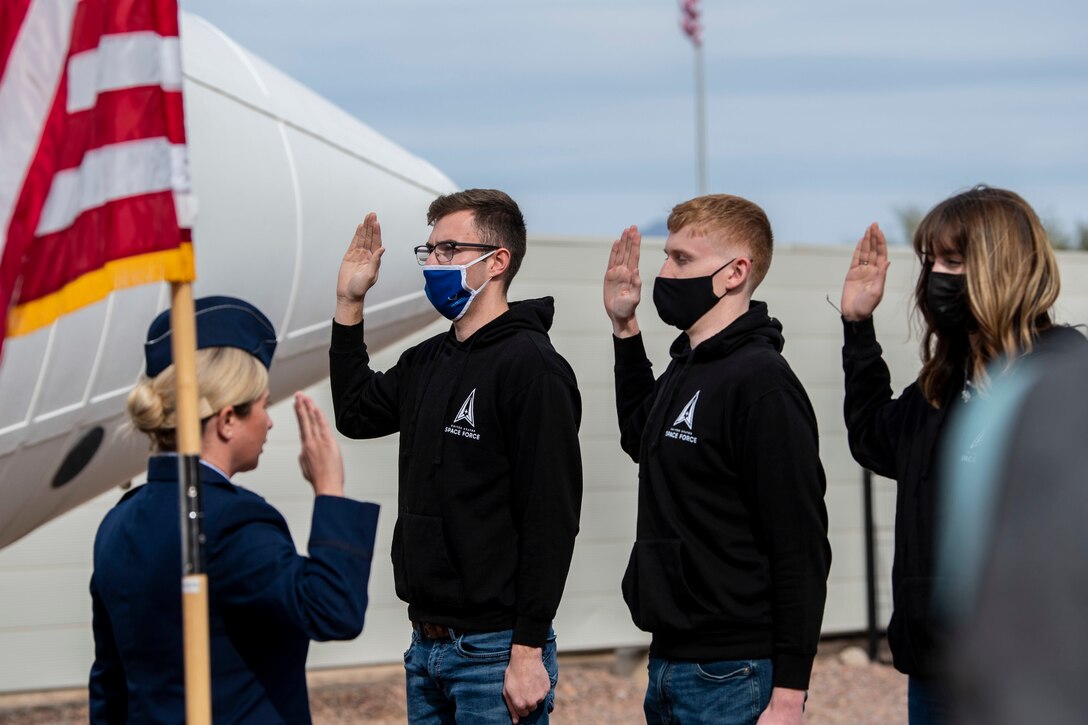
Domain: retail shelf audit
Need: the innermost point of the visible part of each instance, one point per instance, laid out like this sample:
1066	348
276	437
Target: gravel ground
589	691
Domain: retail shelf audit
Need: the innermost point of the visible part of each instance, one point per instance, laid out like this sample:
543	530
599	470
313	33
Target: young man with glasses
730	562
490	480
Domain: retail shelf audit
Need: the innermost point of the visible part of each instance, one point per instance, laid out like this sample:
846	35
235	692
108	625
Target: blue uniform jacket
266	602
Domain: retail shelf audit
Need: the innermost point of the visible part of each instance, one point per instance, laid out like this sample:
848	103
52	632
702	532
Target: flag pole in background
95	197
689	23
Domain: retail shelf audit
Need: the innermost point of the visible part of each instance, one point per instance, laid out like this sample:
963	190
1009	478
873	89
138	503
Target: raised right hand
359	268
320	459
863	288
622	284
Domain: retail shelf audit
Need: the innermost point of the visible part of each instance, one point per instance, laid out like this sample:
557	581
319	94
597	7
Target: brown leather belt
429	630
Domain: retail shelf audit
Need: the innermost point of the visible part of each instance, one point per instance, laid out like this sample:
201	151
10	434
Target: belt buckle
430	630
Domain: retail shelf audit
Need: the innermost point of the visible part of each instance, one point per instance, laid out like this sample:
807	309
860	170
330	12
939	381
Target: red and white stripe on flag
689	21
94	178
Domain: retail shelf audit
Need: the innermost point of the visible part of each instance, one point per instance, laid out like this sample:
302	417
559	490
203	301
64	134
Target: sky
828	114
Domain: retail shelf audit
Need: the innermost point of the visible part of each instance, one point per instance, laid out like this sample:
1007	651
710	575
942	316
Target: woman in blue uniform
266	602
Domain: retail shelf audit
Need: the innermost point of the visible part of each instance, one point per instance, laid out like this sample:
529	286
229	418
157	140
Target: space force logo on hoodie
465	414
686	419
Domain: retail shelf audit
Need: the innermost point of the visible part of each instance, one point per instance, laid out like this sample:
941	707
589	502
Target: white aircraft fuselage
281	178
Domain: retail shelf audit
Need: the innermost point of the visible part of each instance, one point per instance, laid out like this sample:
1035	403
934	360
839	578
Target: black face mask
681	302
946	298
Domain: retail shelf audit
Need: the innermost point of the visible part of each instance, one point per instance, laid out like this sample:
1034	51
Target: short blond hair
225	376
729	216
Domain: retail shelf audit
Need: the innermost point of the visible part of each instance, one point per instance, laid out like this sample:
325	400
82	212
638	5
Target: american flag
94	178
689	21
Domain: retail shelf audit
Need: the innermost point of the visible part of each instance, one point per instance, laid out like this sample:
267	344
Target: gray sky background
829	114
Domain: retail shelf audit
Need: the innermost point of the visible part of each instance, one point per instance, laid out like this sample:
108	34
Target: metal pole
194	582
700	122
870	564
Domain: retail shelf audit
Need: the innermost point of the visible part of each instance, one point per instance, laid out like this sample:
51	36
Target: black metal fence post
870	564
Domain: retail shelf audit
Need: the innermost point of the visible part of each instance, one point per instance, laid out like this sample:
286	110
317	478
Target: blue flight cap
220	322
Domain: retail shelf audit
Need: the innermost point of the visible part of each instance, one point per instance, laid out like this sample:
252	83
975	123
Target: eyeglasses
444	251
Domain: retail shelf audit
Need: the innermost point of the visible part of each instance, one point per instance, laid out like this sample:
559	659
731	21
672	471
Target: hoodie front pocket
915	634
656	589
423	572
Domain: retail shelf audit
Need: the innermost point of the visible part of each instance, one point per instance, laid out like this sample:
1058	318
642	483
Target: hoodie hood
534	315
754	327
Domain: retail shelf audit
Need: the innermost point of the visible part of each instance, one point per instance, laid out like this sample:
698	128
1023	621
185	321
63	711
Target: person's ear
499	262
225	421
736	275
742	270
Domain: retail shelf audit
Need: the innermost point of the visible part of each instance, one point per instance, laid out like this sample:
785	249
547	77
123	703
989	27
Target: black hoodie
900	438
490	469
731	557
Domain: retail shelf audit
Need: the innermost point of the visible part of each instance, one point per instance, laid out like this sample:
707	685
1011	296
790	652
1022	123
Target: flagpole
689	23
700	121
194	580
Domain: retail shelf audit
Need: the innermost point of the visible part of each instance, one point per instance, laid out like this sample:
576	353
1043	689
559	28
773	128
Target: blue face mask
447	287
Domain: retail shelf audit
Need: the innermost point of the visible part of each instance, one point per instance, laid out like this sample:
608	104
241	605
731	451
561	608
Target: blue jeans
460	680
928	702
730	692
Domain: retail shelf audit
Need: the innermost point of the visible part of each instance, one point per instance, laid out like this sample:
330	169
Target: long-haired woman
984	295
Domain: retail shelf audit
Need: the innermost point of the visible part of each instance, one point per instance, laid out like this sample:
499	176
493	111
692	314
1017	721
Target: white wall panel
45	610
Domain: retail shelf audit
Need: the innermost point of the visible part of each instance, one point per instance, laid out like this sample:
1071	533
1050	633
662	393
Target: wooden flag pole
194	581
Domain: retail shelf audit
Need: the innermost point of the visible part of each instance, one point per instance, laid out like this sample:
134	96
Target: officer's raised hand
320	459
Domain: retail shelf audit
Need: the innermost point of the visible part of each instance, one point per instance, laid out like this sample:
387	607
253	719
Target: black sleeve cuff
792	671
347	338
629	350
860	333
530	631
